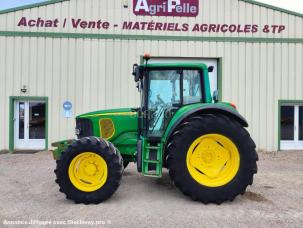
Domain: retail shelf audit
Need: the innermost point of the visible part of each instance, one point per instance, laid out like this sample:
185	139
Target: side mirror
216	96
134	69
137	76
137	72
210	69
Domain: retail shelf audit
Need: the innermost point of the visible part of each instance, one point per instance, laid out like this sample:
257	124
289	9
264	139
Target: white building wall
96	73
211	12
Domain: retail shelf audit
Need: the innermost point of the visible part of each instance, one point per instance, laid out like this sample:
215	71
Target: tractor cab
164	89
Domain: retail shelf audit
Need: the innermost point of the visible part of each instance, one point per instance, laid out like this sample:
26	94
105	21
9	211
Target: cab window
163	94
191	87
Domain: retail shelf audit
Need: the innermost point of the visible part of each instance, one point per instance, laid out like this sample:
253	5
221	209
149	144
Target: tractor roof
174	65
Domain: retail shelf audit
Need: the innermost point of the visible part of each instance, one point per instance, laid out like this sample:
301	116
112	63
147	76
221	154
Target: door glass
191	87
164	93
301	123
37	120
21	120
287	122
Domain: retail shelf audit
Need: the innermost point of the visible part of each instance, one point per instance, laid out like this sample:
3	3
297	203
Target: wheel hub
91	170
207	157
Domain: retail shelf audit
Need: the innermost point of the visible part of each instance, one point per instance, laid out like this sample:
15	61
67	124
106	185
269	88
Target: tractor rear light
233	105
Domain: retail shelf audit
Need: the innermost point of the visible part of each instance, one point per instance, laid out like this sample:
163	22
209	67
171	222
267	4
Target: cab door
164	93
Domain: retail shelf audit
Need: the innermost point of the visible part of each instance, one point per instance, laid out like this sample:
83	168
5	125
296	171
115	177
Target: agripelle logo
174	8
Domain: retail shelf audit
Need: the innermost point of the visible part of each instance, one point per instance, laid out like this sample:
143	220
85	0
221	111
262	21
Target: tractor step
152	147
152	161
152	158
151	175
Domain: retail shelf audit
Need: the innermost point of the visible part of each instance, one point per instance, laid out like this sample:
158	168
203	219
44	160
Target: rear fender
205	109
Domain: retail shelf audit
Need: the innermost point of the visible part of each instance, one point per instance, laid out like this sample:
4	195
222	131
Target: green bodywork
125	128
125	131
126	125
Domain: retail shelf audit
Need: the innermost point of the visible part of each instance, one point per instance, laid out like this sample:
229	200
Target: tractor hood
110	124
109	112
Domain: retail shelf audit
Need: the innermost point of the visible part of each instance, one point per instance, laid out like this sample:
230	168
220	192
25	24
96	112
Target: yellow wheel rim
213	160
88	171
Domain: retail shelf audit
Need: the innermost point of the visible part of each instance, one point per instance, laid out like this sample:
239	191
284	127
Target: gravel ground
29	194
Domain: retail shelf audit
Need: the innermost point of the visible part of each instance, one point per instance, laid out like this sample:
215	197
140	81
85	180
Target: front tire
89	171
211	158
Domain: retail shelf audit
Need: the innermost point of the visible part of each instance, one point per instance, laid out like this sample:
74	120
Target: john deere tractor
179	126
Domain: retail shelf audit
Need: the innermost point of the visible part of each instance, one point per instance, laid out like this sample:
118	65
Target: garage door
213	77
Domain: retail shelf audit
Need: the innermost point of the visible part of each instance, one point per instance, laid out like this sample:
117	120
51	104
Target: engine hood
109	112
119	125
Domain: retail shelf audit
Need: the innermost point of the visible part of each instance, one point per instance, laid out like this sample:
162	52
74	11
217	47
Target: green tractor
179	126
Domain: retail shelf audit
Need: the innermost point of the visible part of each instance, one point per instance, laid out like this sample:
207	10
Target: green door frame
220	69
12	100
280	104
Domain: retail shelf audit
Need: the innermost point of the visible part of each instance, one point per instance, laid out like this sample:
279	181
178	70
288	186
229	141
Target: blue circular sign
67	105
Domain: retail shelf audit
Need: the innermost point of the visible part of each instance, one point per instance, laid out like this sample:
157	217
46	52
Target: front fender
60	147
191	110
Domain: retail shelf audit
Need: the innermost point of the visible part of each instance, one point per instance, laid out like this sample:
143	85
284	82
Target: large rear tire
89	171
211	158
